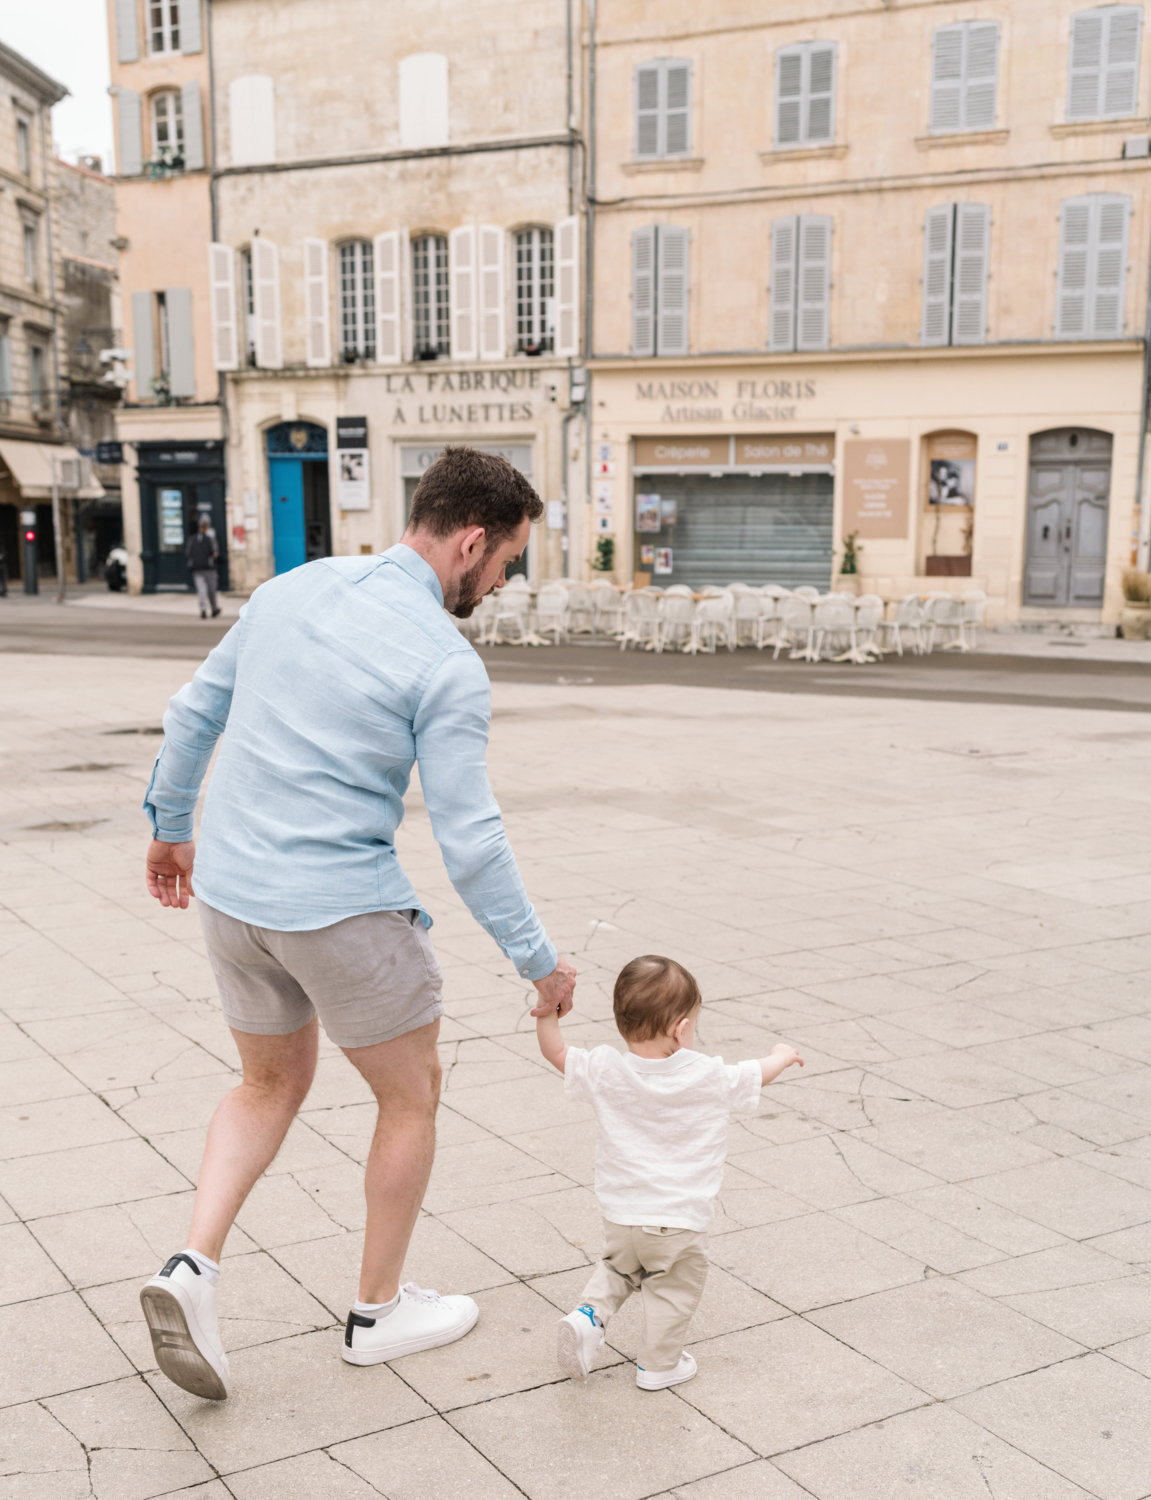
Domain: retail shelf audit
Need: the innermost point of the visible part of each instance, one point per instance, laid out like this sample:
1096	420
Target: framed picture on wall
952	482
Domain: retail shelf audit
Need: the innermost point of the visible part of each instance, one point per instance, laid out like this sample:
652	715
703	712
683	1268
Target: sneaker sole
568	1351
176	1351
664	1385
410	1346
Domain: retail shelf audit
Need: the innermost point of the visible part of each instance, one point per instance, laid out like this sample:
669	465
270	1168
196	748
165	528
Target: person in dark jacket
203	554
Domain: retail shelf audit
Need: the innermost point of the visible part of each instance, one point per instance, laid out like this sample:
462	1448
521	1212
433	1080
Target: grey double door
1068	496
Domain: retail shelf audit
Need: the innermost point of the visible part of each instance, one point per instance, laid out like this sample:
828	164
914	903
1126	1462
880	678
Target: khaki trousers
668	1268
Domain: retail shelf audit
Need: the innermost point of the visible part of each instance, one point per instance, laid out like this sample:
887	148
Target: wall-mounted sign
109	453
682	453
794	448
353	490
876	475
555	515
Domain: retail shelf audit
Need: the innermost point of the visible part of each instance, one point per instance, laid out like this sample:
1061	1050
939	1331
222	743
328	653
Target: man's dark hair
465	487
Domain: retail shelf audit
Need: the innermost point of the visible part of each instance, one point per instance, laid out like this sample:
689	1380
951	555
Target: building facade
876	272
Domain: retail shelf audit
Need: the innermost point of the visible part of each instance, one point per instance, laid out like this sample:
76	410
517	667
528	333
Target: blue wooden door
288	540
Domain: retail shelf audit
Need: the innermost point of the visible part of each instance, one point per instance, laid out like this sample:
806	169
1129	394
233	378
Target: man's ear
472	542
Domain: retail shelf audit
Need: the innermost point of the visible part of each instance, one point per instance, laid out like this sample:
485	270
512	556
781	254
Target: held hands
169	873
556	990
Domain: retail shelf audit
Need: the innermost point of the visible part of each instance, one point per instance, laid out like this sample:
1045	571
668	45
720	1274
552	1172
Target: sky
68	40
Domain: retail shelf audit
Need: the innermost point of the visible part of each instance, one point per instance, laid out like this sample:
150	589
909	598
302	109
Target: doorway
177	487
301	506
1068	497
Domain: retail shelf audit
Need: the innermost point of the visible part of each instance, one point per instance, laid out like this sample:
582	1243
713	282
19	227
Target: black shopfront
179	484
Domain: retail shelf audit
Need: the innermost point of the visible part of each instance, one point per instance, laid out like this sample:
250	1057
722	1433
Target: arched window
430	322
168	127
357	302
535	291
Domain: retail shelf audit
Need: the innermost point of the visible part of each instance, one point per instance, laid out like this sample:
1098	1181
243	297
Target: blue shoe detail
589	1313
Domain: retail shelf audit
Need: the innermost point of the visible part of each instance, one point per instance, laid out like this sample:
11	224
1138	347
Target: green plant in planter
604	554
1136	586
851	551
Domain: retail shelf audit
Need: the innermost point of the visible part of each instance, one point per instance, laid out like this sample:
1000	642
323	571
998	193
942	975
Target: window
1091	290
956	239
5	368
662	109
430	321
357	302
168	127
805	94
36	377
1103	69
799	318
535	291
31	236
165	346
23	145
964	69
164	25
249	298
659	289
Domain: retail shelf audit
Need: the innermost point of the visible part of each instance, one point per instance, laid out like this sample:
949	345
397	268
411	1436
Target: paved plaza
931	1267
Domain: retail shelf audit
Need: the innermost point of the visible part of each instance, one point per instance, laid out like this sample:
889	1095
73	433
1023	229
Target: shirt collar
416	567
681	1059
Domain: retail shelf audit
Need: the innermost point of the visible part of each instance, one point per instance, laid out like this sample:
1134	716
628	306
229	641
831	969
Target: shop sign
420	397
754	398
413	461
795	448
110	453
876	487
683	453
352	485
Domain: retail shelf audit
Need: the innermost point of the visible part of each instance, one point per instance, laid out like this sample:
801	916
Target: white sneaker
578	1337
422	1320
659	1380
180	1309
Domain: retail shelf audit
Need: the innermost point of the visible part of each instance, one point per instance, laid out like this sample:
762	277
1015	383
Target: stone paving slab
932	1252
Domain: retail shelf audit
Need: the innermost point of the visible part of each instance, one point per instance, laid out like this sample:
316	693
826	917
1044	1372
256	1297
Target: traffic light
31	552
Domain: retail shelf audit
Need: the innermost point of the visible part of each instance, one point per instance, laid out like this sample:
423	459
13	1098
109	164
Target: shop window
662	109
660	289
964	74
430	309
23	145
535	291
30	230
948	525
357	302
1092	281
163	26
1103	63
956	242
168	128
799	316
805	94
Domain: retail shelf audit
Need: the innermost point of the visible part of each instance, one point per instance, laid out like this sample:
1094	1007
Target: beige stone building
875	269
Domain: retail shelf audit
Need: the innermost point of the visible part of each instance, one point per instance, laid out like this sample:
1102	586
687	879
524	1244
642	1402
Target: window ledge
962	138
663	164
1098	127
801	153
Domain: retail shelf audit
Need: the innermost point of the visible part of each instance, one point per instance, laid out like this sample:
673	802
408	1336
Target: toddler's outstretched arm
551	1040
781	1056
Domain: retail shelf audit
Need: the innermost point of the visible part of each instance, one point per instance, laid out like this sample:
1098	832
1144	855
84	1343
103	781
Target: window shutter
317	314
969	293
566	241
252	119
193	127
386	259
1121	61
6	391
788	96
493	340
1075	244
462	287
1109	272
266	296
981	66
643	291
131	133
181	348
143	345
677	108
947	79
814	282
938	227
820	101
222	305
127	31
1085	69
781	319
673	246
423	99
647	110
190	32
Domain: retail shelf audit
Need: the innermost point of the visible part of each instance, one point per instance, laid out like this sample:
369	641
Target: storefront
28	473
177	486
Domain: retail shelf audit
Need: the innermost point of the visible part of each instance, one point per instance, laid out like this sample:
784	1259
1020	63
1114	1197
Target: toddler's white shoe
421	1320
578	1337
180	1309
659	1380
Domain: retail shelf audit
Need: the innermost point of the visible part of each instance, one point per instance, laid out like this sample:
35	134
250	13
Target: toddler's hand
787	1055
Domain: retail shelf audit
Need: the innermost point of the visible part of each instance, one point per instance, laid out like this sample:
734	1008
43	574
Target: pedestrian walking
336	679
203	553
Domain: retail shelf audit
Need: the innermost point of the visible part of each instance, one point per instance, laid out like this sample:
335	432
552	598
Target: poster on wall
352	483
663	559
952	482
876	476
171	520
648	516
647	554
667	512
603	497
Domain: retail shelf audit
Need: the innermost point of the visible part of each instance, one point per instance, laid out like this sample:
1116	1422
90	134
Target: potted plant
1135	621
604	560
849	566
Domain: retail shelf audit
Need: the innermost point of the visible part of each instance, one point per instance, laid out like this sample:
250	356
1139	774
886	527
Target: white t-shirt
662	1130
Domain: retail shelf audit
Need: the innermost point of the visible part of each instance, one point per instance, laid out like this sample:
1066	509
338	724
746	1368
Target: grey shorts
369	978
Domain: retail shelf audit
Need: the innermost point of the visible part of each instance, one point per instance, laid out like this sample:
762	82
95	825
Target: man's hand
556	990
169	873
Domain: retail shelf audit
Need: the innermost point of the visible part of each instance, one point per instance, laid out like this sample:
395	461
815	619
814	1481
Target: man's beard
467	597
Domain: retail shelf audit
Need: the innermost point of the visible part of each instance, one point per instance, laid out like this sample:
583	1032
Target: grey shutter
181	349
1109	269
820	101
677	108
938	229
980	69
969	293
1121	61
131	162
190	32
643	291
127	31
947	79
143	344
1086	65
647	110
781	319
193	126
813	283
673	246
6	391
788	96
1075	246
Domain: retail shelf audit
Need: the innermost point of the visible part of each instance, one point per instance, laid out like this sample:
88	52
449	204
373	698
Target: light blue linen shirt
336	678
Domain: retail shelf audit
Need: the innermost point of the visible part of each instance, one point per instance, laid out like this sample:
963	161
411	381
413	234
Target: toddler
662	1112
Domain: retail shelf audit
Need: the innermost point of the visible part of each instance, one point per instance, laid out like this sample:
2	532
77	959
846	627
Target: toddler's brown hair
651	994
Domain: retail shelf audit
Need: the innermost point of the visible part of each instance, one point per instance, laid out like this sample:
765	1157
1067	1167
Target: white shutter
6	389
1109	271
947	79
781	319
789	96
677	108
190	29
493	339
1085	69
266	296
1075	246
317	304
643	291
252	119
935	326
127	31
819	104
462	291
1121	61
647	92
181	345
969	292
131	133
222	306
193	126
814	283
673	248
980	71
407	330
143	345
423	100
386	260
566	241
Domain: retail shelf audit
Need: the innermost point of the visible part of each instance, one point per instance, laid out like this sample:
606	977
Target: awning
30	465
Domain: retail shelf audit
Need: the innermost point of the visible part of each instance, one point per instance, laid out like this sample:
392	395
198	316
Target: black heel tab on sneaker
356	1321
175	1261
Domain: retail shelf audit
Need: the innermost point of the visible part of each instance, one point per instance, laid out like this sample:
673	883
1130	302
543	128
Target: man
203	553
337	677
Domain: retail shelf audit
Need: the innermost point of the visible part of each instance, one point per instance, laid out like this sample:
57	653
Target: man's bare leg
404	1075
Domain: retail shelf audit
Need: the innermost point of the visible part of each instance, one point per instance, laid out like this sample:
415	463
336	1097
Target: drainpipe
589	261
57	519
1143	500
221	378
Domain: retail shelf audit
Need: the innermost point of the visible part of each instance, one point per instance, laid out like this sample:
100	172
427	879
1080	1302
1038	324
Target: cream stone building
877	270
